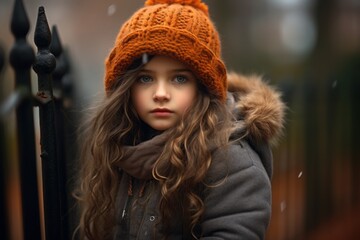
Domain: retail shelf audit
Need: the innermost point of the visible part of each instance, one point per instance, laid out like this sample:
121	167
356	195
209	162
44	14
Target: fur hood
257	107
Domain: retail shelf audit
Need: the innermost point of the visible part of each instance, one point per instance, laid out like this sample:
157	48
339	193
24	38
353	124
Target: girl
170	154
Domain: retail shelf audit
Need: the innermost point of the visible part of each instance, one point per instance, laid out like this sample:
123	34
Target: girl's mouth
161	112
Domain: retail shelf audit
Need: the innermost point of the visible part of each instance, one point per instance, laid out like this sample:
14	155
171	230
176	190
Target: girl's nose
161	93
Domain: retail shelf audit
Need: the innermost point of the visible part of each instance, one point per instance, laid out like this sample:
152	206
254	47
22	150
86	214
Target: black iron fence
52	99
316	169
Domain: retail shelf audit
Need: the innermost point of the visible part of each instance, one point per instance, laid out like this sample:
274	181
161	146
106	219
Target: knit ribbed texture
180	29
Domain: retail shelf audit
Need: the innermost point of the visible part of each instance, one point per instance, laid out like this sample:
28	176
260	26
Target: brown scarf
139	160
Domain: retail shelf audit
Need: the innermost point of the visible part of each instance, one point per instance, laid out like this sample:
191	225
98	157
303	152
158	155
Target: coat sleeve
238	198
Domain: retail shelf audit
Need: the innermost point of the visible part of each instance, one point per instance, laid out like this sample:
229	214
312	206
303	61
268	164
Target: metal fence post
21	58
59	72
4	227
44	66
66	137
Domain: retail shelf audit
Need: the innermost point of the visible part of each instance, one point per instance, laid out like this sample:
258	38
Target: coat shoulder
234	159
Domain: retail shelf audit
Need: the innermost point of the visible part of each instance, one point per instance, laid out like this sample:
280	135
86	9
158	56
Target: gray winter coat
238	203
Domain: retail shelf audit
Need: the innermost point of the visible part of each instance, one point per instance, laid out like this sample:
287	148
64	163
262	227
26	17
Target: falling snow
111	10
334	84
282	206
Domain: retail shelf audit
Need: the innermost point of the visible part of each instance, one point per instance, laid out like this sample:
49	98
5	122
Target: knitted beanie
180	29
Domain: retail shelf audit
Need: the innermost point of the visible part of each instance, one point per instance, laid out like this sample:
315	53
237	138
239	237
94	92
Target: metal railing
52	67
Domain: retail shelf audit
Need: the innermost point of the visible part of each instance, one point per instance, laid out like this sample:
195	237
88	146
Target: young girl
170	153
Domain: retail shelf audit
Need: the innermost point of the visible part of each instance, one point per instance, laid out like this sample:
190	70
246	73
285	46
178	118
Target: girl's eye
144	79
180	79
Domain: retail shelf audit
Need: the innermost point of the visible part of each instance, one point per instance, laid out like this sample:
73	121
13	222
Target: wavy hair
183	166
180	169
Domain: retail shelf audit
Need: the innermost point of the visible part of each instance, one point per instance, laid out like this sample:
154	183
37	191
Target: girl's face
163	91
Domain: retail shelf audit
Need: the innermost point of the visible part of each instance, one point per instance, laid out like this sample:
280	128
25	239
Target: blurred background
308	49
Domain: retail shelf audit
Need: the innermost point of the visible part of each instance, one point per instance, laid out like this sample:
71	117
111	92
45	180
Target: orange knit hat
180	29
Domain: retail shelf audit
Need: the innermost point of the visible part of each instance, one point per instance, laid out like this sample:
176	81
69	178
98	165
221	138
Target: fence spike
42	35
55	46
60	70
45	62
22	54
19	22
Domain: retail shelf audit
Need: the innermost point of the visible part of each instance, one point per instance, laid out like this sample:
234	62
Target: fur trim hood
257	107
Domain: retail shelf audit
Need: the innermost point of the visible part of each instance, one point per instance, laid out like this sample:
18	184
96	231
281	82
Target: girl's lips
161	112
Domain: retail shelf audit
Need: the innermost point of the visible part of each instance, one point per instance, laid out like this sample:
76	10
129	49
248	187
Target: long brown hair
180	169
